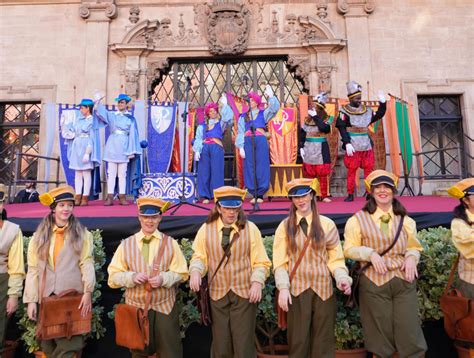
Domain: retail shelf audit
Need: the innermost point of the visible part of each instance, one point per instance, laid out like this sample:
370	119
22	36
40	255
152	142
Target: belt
357	130
213	141
83	135
357	134
316	139
258	131
119	131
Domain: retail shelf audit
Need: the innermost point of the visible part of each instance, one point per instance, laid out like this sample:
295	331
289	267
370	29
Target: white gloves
302	153
381	97
131	156
197	156
85	158
312	112
350	149
223	99
242	153
269	91
97	96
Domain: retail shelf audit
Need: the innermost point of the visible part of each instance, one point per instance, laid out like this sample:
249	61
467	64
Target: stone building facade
58	51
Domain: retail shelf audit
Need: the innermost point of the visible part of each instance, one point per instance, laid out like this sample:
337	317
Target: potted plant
97	330
270	339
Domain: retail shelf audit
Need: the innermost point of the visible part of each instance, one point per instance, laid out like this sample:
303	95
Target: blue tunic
123	139
83	138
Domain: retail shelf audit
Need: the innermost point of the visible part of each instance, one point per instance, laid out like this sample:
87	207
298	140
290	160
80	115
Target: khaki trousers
389	315
466	288
3	307
62	347
165	337
233	327
311	324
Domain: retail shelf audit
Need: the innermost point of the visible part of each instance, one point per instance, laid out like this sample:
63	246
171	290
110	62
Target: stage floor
120	221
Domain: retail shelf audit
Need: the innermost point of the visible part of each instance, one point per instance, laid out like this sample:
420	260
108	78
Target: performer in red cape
353	122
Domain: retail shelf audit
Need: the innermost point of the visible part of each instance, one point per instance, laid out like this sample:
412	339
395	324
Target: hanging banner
161	136
404	136
283	130
67	116
392	136
415	133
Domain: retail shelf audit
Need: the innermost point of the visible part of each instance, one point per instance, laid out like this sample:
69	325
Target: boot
85	200
77	199
110	200
350	197
123	199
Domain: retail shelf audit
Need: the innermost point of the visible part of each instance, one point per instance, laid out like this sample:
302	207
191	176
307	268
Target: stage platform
118	222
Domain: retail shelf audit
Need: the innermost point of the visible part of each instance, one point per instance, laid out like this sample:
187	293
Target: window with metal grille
19	131
441	136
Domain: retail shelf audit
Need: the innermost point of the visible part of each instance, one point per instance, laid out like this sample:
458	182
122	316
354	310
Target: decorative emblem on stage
168	186
228	27
161	118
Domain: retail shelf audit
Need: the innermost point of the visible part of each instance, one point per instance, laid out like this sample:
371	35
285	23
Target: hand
223	99
32	311
381	97
284	299
269	91
197	156
131	156
140	278
97	96
255	292
302	153
312	112
378	263
350	149
85	158
156	281
12	305
409	266
242	153
86	304
344	286
195	281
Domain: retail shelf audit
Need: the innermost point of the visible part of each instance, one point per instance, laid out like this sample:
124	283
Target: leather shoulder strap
300	257
156	264
226	254
451	275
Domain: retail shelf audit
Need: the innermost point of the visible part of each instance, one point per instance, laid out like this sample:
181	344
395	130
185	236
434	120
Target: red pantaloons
320	171
364	160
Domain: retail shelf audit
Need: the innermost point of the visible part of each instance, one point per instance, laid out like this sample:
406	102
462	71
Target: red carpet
417	204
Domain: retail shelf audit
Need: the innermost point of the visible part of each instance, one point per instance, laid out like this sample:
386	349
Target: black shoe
350	197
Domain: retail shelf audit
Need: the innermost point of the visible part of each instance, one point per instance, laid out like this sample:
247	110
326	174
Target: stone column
97	15
356	14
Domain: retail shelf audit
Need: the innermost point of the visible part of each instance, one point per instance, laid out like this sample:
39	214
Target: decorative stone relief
131	82
108	7
344	6
300	65
134	14
324	79
155	68
228	28
322	13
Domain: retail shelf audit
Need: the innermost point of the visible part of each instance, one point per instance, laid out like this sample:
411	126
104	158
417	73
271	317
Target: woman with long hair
12	267
313	240
462	230
387	286
209	150
235	288
60	258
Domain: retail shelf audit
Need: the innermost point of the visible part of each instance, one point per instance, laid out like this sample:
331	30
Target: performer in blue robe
122	146
83	152
256	122
208	148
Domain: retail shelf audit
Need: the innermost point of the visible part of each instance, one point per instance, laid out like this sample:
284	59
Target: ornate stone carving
324	79
343	6
134	14
322	13
155	68
108	7
300	65
131	82
228	28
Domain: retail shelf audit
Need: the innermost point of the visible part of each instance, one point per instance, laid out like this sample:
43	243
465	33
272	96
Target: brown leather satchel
203	297
458	311
282	315
357	270
132	328
60	317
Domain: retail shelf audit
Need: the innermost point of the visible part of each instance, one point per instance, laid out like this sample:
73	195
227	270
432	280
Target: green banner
404	136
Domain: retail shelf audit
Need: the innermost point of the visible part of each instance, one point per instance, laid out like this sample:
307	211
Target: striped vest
162	299
466	269
313	270
373	237
8	234
235	273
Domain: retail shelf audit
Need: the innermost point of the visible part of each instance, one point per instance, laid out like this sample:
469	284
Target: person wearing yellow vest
12	267
387	288
309	298
462	230
132	266
237	286
60	253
